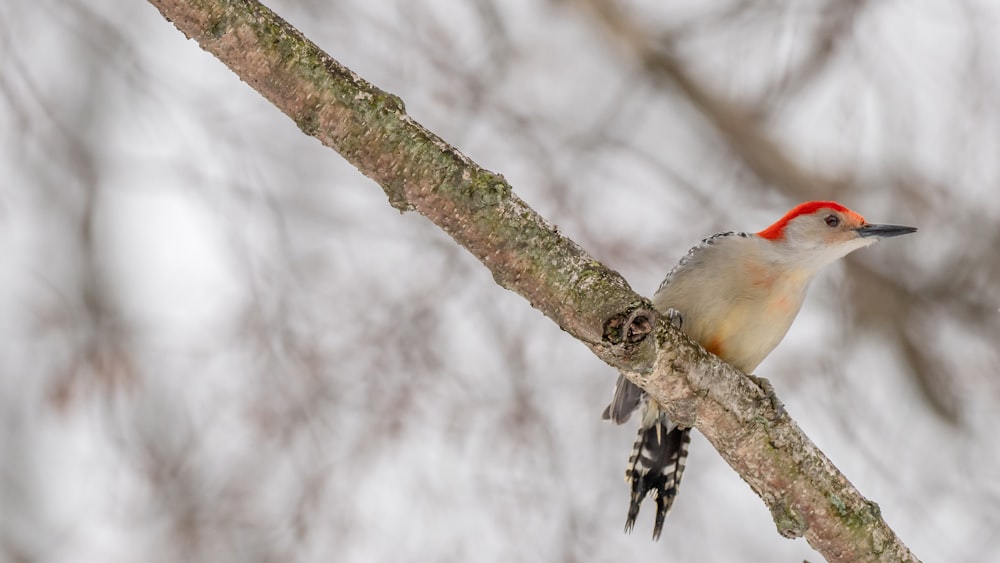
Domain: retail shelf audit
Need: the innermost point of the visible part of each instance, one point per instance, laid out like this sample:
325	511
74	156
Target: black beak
884	231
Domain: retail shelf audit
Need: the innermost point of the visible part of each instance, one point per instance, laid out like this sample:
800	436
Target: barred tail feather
655	467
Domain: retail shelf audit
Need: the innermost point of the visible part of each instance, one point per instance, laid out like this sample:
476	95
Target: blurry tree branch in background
737	125
418	171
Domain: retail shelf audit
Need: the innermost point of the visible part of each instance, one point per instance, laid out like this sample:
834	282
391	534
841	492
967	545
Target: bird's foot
675	318
769	394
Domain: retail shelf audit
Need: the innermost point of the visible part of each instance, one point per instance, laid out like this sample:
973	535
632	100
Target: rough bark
806	494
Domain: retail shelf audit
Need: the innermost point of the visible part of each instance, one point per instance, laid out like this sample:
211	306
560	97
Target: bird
736	294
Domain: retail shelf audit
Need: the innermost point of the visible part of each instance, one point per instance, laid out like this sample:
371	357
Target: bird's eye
832	220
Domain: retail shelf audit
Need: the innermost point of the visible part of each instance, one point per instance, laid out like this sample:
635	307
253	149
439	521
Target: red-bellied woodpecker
736	294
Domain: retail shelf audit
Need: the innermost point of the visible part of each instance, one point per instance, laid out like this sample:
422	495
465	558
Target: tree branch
418	171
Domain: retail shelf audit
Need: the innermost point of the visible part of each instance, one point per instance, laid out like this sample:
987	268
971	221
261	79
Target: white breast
736	296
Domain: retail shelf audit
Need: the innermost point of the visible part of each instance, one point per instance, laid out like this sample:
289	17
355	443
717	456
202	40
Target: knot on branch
631	327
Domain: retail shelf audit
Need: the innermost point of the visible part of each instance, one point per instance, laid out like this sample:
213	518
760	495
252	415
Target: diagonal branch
418	171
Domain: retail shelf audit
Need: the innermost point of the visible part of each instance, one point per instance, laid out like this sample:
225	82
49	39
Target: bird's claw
770	395
675	318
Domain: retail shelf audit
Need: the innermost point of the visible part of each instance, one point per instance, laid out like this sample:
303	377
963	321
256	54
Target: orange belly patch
714	346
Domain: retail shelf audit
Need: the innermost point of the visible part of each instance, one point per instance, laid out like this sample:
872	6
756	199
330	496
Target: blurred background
219	343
